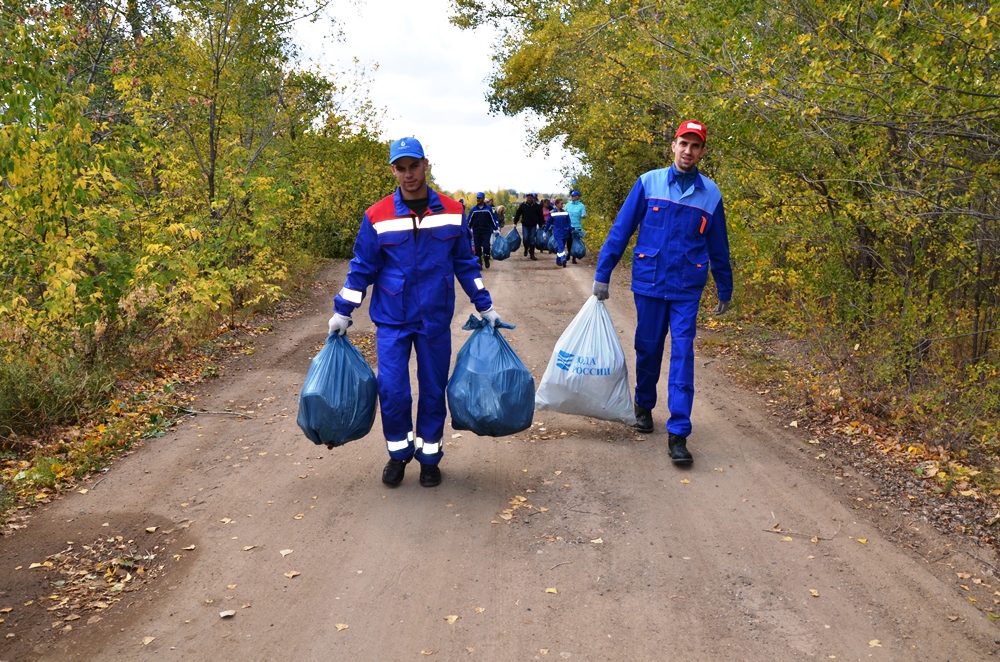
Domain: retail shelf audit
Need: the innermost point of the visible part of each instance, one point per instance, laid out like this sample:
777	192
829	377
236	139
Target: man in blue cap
682	233
577	212
483	224
529	213
411	246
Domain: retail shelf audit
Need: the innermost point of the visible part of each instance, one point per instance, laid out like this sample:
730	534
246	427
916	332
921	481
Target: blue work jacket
681	233
412	262
482	220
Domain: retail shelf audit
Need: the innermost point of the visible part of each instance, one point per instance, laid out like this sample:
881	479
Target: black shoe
643	419
430	475
564	263
392	474
574	260
679	453
525	252
533	257
487	261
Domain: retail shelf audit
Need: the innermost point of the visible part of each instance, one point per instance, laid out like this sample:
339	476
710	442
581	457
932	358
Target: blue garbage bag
553	243
338	398
490	392
542	238
577	248
499	248
513	240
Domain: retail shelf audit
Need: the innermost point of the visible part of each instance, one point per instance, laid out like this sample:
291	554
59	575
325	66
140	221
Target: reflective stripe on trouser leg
650	331
395	400
401	450
680	384
433	361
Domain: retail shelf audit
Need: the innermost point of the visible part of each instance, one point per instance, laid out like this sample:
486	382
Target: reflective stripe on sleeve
354	296
479	284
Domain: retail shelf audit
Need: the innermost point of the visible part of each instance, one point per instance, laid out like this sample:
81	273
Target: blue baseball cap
575	193
480	195
405	147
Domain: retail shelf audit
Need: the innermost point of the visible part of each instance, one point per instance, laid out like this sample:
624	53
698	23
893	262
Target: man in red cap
682	233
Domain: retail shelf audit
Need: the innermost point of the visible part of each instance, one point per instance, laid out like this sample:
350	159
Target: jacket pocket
387	299
698	226
644	261
656	213
695	269
398	247
444	244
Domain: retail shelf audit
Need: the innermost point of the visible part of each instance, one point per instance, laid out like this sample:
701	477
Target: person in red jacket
412	246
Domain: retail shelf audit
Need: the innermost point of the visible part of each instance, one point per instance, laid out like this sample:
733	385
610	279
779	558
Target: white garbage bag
587	374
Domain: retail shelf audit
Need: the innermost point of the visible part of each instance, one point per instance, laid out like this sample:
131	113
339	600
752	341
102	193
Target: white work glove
338	324
722	307
491	316
601	290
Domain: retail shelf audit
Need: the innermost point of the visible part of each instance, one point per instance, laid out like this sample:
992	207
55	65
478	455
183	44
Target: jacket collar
673	174
434	205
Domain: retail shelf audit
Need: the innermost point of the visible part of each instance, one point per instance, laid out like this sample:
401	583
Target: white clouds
431	82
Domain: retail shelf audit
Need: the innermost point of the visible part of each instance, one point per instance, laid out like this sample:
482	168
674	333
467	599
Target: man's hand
722	307
491	316
601	290
338	324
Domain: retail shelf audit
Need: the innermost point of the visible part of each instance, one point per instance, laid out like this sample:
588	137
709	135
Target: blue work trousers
656	318
563	240
433	360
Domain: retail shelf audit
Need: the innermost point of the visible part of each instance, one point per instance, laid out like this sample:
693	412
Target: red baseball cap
692	126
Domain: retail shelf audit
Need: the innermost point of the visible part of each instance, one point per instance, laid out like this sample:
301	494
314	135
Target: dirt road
610	553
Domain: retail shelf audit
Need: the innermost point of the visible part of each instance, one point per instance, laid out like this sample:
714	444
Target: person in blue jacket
559	219
411	246
577	212
682	233
483	223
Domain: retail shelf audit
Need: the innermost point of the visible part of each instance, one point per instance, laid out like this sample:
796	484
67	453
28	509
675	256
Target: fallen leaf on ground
813	592
598	541
552	590
685	481
863	541
231	586
480	610
148	640
814	539
299	516
427	652
875	643
786	539
188	548
292	573
285	552
225	520
151	529
72	617
451	618
953	618
249	547
341	626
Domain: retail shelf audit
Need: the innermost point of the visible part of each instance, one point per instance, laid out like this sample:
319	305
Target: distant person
577	212
529	214
561	230
483	223
682	233
501	213
546	210
409	246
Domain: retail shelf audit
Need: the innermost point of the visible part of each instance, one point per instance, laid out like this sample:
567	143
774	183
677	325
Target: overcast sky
431	81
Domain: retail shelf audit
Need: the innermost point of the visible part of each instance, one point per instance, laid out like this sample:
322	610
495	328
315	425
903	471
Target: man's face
480	202
688	150
411	174
574	198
